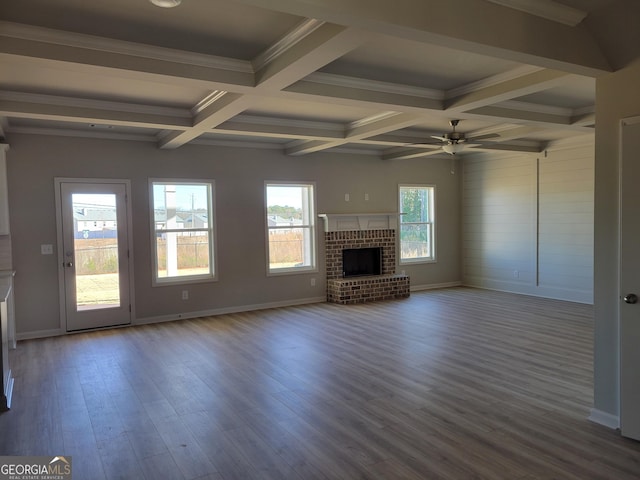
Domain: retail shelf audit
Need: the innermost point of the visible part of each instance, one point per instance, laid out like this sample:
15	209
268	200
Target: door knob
630	298
70	264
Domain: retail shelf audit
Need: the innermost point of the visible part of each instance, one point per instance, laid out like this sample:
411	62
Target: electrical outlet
516	274
366	197
313	282
346	197
185	294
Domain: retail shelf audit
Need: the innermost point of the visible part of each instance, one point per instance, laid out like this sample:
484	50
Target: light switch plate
46	249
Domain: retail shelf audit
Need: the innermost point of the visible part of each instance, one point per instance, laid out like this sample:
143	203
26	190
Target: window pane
183	232
415	206
415	241
290	226
181	206
181	254
96	251
287	248
416	223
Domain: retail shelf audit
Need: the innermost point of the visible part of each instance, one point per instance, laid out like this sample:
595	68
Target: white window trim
313	235
421	260
213	243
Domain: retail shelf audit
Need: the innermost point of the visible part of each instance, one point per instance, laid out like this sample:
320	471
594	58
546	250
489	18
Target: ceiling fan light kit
166	3
453	148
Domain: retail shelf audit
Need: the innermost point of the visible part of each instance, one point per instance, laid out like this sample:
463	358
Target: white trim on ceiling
294	36
43	99
492	80
374	85
79	40
548	9
287	122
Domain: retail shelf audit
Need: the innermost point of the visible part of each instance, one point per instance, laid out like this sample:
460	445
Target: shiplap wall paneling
566	187
499	221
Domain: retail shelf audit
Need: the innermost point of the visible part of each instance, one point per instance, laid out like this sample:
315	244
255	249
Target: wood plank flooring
449	384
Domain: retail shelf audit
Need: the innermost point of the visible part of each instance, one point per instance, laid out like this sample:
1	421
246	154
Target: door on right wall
630	279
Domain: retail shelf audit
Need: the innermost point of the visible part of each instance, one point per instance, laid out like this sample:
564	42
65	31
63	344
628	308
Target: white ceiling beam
302	55
584	119
526	117
474	26
386	122
216	73
510	89
360	97
512	133
411	153
227	106
305	147
321	46
78	114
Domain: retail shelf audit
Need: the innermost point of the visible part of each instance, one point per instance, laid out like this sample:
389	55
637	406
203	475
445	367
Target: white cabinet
4	191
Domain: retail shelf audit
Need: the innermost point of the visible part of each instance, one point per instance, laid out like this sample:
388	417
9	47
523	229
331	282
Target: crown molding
287	122
236	144
535	108
492	80
585	110
208	101
548	9
290	39
70	132
43	99
371	119
122	47
374	85
586	140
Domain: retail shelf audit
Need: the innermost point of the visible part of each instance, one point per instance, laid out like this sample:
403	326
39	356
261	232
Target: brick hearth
386	286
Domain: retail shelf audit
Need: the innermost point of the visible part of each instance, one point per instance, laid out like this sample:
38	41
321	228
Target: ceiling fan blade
442	138
430	144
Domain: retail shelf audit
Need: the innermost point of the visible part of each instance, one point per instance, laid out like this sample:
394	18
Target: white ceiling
301	75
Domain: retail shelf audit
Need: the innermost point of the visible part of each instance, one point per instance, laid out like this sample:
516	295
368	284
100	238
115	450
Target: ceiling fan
454	141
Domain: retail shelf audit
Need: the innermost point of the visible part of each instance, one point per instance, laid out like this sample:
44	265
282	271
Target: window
291	244
183	233
417	224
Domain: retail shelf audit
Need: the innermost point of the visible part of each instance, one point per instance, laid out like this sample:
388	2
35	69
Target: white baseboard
577	296
433	286
225	310
39	334
604	418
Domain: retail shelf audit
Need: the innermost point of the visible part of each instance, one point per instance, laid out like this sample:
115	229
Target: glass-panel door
95	264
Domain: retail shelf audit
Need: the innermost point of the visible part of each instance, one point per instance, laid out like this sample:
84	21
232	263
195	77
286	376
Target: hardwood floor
448	384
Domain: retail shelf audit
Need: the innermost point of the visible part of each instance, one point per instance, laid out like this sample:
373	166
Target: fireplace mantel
340	222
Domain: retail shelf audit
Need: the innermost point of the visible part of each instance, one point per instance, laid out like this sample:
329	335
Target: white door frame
628	315
60	244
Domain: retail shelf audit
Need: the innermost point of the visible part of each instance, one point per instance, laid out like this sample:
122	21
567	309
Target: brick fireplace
362	231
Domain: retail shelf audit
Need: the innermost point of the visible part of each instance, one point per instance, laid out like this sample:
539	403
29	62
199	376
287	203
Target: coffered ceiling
303	76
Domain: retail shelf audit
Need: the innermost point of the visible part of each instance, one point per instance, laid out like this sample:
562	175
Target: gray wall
528	222
239	173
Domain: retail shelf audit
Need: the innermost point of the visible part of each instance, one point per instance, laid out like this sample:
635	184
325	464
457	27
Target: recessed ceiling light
166	3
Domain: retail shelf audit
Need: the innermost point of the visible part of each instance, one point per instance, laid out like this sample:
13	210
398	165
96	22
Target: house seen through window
290	222
183	231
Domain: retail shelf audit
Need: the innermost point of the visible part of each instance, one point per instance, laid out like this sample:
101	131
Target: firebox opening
357	262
